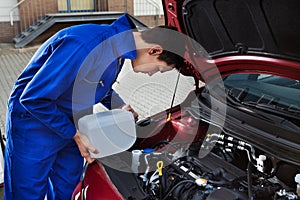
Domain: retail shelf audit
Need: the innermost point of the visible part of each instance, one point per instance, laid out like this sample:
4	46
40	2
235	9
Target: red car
235	137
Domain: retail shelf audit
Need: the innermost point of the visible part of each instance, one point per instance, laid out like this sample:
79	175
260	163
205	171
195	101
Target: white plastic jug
110	131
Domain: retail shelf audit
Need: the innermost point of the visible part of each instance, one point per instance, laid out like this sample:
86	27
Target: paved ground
12	62
147	95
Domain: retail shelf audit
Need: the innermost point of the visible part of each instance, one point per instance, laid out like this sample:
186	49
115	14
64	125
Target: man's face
147	62
151	68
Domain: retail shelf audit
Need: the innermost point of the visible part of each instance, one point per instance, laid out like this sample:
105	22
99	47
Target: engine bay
191	158
232	170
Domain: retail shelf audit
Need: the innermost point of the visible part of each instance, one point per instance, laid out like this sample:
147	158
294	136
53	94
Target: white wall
147	7
5	7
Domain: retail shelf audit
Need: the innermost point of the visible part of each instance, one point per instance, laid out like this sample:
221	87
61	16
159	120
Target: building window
76	5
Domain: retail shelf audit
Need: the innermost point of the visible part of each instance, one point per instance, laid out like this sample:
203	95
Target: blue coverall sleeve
112	100
53	78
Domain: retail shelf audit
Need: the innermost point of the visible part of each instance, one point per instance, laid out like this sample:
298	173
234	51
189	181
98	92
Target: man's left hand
130	109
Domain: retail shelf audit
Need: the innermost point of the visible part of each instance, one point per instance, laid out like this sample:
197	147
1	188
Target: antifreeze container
110	131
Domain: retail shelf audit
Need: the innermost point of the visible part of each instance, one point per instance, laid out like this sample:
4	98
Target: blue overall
70	72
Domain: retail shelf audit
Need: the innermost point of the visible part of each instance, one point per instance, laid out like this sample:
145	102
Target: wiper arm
293	109
232	98
238	100
290	112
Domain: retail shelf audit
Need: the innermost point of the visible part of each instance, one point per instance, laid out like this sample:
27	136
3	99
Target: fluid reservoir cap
262	157
147	150
297	178
201	181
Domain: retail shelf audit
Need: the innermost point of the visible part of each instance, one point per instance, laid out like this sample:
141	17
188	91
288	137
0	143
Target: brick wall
7	32
119	5
123	5
151	20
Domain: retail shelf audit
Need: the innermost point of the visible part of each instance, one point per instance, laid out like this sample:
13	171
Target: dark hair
173	46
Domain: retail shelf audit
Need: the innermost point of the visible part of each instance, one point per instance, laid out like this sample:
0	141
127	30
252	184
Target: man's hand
85	147
130	109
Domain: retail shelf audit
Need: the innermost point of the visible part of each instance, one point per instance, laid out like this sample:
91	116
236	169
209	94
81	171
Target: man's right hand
85	147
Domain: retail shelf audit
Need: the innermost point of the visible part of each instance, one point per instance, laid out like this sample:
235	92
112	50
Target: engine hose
167	187
188	192
249	180
166	175
163	183
178	191
175	186
217	182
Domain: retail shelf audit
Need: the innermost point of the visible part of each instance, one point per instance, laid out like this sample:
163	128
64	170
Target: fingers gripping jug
110	132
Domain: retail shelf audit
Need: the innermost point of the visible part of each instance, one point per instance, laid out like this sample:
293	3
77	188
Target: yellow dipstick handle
169	117
160	165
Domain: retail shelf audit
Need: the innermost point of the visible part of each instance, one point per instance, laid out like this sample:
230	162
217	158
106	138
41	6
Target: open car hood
266	28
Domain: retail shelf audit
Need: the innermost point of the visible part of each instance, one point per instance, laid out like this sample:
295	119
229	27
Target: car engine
233	169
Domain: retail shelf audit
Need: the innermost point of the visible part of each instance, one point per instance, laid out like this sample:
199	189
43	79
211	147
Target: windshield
265	91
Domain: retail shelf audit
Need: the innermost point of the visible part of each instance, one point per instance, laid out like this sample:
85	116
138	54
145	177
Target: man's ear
155	50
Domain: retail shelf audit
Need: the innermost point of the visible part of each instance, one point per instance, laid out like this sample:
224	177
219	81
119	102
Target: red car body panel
96	185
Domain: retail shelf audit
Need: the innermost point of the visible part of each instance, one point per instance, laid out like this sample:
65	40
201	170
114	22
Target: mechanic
44	150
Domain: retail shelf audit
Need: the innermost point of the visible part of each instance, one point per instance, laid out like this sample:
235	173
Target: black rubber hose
175	186
249	180
218	183
178	191
188	192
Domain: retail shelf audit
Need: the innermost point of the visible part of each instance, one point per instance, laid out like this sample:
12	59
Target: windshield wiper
292	111
289	112
232	98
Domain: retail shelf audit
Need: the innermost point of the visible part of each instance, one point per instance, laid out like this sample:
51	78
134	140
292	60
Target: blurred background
27	22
